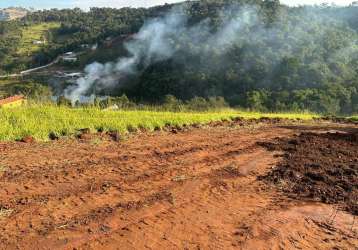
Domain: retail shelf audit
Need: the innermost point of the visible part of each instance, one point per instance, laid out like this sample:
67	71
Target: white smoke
155	42
148	46
161	38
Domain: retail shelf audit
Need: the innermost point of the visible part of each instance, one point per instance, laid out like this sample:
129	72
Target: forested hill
255	54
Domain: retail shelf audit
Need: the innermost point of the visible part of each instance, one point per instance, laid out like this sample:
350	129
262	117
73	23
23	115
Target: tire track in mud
184	202
187	190
85	170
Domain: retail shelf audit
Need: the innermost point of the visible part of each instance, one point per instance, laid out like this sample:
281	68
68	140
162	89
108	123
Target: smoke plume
157	41
236	27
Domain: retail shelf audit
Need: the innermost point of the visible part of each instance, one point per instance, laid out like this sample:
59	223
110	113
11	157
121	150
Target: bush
32	90
171	103
202	104
218	102
122	102
198	104
62	101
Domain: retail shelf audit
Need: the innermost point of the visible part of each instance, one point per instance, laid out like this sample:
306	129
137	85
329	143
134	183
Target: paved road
29	71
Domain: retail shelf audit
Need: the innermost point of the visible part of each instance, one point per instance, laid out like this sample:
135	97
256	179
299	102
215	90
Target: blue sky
40	4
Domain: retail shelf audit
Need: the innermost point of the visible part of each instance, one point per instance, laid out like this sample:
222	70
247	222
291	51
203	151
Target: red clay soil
195	189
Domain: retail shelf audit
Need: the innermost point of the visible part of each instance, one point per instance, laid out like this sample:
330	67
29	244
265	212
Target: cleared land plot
38	32
194	189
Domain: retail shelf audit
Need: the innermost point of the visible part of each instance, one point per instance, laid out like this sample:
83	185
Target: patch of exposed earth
319	166
192	189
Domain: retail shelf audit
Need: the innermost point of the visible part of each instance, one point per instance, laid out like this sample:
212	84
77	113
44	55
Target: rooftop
11	99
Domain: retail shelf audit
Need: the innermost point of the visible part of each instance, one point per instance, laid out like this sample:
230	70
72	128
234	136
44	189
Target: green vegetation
32	90
4	87
39	121
35	33
18	48
291	58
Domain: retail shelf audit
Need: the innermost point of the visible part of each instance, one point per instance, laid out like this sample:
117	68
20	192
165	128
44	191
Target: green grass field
39	121
38	32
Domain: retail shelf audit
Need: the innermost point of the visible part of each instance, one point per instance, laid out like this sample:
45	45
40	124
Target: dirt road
196	189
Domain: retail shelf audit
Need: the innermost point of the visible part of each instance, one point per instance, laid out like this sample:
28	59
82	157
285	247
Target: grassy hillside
40	121
18	50
38	32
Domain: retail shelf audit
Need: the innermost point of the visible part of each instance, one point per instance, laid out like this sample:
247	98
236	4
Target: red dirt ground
195	189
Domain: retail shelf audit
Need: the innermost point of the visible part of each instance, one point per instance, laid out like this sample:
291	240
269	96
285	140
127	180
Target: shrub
171	103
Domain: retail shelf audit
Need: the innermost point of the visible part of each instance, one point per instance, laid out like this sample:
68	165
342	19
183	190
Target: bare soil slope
196	189
12	13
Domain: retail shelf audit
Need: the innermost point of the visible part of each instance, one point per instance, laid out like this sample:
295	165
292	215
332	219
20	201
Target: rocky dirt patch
321	167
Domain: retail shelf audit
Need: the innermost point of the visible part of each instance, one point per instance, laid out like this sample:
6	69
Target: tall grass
41	120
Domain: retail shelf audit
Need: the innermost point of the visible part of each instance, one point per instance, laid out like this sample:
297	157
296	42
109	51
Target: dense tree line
306	58
309	63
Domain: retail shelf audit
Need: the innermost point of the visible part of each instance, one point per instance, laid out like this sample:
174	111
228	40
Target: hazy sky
40	4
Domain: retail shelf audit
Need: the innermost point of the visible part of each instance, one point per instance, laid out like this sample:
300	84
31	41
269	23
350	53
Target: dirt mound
343	120
28	139
321	167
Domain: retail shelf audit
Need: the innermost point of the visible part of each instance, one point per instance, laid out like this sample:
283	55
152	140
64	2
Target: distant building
38	42
70	59
74	75
68	76
94	46
12	101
